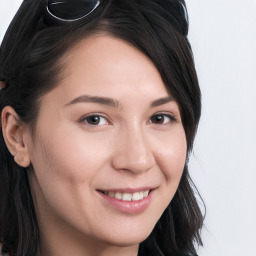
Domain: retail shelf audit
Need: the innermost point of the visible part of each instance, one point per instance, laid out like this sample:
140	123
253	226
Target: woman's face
109	147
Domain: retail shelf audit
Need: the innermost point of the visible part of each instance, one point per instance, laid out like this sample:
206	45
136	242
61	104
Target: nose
133	152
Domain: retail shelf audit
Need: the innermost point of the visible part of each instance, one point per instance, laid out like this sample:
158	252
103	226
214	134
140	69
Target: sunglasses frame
53	16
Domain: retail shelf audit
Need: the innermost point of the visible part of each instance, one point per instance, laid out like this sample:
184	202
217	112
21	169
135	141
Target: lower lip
131	207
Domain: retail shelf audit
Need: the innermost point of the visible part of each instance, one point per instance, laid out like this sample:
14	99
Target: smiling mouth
127	196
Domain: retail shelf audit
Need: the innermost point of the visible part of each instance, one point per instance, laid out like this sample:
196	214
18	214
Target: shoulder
2	251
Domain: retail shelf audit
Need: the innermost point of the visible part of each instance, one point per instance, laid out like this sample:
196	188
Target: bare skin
109	126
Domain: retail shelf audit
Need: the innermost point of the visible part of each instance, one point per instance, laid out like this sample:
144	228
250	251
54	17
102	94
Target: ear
14	136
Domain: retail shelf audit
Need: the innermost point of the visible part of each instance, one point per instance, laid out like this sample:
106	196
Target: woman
100	104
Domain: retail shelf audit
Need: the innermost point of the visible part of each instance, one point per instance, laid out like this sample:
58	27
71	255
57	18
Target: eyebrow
95	99
114	103
161	101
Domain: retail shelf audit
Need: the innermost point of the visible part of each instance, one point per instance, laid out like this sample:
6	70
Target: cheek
65	169
172	156
75	158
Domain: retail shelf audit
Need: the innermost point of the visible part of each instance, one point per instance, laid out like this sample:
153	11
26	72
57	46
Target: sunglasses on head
70	10
59	12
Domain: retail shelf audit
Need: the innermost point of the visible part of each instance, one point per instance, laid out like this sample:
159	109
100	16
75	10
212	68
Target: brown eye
161	119
95	120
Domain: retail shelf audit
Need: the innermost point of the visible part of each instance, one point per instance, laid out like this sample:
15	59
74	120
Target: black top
2	251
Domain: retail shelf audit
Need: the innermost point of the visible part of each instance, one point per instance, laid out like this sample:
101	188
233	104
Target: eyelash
85	119
171	117
99	116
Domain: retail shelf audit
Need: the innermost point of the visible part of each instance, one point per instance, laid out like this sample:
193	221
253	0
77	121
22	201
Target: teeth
145	194
118	195
111	194
136	196
128	196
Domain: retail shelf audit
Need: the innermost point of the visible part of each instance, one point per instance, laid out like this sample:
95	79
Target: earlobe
13	133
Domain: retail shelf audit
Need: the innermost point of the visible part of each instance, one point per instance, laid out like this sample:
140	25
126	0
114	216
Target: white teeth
136	196
145	193
118	195
128	196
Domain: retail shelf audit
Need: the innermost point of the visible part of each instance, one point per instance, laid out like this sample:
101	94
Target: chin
127	240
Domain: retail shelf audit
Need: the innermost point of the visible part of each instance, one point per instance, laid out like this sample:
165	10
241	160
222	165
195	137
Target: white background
223	37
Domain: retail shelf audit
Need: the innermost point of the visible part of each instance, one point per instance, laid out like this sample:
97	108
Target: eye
162	119
95	120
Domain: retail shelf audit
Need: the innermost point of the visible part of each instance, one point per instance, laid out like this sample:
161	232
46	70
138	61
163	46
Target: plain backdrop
223	38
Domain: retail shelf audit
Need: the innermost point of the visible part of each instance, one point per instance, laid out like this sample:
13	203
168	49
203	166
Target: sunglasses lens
71	9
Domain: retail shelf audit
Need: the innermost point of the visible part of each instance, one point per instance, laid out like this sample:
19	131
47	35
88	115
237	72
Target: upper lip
127	190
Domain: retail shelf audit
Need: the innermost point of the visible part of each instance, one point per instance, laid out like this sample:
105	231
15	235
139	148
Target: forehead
109	65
